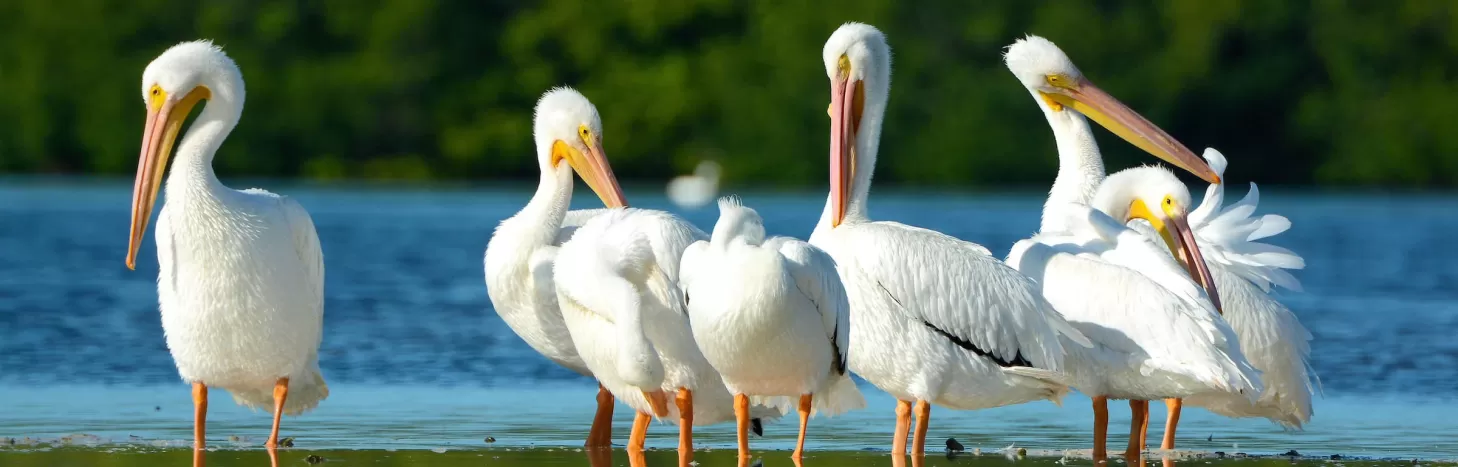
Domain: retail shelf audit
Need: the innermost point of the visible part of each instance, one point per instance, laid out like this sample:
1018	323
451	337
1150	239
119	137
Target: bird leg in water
199	424
799	453
903	424
639	433
1174	406
923	418
741	417
1144	429
280	394
601	434
685	402
1139	411
1101	428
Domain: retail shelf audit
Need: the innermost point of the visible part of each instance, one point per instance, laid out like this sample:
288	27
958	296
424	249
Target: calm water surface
417	360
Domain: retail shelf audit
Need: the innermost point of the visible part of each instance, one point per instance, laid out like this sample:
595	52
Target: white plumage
1244	270
1158	333
520	256
770	315
933	318
617	283
241	281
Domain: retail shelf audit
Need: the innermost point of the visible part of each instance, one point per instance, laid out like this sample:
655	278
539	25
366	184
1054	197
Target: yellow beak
594	169
1173	226
1108	112
164	121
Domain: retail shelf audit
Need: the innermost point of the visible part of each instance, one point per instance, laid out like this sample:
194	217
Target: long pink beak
842	146
1194	260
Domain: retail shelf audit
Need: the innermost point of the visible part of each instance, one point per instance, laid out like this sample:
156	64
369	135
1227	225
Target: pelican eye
1168	201
1058	81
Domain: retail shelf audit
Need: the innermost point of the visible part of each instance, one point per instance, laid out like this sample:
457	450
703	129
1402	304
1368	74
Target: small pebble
1292	453
1220	454
313	459
490	439
1336	457
1240	455
286	442
954	446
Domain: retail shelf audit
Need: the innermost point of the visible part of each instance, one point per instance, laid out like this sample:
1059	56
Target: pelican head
174	83
1058	85
737	221
1155	195
567	128
858	63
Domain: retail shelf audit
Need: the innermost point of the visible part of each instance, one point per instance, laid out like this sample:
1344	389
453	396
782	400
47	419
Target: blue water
417	359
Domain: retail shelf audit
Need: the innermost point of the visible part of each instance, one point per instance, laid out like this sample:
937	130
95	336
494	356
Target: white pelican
697	190
934	319
617	282
772	317
1270	334
519	257
241	282
1089	266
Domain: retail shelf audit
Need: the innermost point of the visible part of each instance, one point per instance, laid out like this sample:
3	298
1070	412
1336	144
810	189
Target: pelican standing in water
772	316
617	282
1244	271
520	255
935	320
241	280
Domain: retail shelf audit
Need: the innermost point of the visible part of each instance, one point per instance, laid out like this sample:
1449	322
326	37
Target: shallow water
416	359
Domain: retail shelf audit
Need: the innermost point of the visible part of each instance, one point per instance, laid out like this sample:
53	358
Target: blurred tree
1300	92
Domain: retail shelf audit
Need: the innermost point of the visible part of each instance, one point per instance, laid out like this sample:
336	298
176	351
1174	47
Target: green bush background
1294	92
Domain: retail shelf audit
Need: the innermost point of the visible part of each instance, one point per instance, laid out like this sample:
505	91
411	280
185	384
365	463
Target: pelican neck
1080	165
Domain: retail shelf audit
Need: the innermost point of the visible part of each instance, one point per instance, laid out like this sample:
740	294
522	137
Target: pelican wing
573	220
306	243
1127	293
815	276
959	290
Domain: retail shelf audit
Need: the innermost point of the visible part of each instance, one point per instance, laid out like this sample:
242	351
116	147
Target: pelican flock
1115	285
1124	291
241	280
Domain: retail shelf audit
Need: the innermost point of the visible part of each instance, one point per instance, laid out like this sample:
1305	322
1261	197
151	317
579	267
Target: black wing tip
756	426
1018	359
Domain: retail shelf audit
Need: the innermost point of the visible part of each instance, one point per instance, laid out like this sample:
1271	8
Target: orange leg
1171	422
1144	429
685	402
639	433
280	394
804	422
741	416
658	401
903	425
601	434
1138	410
918	440
1101	428
199	424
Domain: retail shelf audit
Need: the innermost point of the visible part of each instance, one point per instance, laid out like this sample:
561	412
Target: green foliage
1300	92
